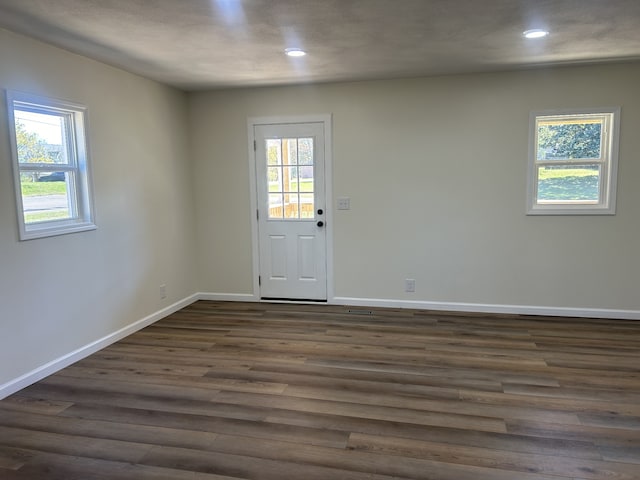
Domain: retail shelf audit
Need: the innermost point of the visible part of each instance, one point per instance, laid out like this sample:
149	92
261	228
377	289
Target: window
573	162
51	166
291	178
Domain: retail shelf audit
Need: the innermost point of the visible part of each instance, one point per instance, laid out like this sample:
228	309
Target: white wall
61	293
436	172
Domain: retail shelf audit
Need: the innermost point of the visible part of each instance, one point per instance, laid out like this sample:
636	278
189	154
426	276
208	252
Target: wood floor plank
238	466
23	403
69	467
439	372
452	407
130	387
233	390
576	405
597	435
362	460
515	462
90	447
513	442
12	458
593	394
407	354
624	454
354	385
165	379
372	412
145	368
206	357
443	379
111	430
612	420
213	424
433	339
141	401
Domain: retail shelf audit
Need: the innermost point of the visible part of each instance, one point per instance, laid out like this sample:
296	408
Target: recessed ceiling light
535	33
295	52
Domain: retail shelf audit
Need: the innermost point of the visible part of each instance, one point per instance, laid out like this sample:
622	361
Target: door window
290	176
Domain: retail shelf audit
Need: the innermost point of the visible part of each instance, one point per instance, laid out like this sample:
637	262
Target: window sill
32	232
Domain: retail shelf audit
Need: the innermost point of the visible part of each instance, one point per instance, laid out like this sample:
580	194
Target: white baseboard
43	371
490	308
451	306
228	297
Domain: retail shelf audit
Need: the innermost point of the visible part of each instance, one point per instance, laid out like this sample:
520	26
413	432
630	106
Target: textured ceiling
204	44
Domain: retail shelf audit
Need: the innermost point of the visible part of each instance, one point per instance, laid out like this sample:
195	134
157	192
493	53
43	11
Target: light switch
344	203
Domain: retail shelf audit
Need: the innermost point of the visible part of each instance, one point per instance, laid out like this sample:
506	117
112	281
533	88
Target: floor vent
359	312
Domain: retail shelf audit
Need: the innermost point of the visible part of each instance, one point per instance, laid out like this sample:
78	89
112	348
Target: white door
291	210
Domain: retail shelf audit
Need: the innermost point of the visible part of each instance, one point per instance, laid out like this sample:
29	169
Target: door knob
320	223
320	212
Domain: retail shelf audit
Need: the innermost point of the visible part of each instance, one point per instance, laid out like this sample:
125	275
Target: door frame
326	120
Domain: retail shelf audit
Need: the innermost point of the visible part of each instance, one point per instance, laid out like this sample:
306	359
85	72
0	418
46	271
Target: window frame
77	168
608	163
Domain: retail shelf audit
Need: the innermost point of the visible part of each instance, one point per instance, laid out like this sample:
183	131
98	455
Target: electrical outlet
344	203
409	285
163	291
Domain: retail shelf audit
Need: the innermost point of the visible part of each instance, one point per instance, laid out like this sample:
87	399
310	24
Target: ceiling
209	44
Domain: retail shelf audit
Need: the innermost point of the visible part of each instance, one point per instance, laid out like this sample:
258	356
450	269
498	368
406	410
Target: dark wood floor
264	391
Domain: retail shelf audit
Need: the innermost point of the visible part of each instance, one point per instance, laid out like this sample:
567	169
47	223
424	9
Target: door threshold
291	300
